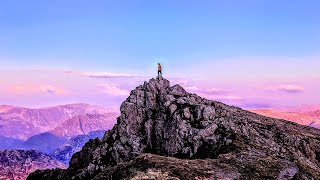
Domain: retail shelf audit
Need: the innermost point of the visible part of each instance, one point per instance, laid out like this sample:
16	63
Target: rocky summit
164	132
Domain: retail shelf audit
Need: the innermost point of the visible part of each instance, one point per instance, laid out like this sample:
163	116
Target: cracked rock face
171	125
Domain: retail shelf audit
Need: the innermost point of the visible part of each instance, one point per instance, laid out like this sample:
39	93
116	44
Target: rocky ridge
164	132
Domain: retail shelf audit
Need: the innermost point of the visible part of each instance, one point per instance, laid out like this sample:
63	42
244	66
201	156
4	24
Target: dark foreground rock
150	166
189	137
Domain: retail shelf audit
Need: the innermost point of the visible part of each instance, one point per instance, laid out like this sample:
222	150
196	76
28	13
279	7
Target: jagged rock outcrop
18	164
189	137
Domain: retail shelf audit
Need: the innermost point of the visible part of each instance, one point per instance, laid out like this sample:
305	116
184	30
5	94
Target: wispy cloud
49	89
107	75
113	90
291	88
180	81
192	88
35	89
214	93
209	91
67	71
228	97
287	88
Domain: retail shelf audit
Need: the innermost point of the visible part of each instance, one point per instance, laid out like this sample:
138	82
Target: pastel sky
251	53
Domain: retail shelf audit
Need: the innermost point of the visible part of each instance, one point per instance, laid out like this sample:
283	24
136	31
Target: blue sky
84	34
189	37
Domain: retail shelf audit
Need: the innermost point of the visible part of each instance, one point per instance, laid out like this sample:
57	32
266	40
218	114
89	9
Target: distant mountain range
4	108
47	137
305	115
69	123
23	123
302	108
47	129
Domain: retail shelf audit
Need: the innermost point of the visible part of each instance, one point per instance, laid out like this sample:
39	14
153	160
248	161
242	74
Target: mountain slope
296	115
4	108
84	124
75	144
44	142
18	164
9	143
229	142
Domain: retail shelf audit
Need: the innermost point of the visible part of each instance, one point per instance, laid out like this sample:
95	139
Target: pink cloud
113	90
215	94
287	88
291	88
216	91
210	91
192	88
21	88
51	89
67	71
35	89
98	74
106	75
182	82
228	97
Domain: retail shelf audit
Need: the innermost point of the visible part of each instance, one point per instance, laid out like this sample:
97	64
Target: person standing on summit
159	70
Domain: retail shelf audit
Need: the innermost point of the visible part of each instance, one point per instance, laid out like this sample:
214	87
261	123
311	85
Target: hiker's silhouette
159	70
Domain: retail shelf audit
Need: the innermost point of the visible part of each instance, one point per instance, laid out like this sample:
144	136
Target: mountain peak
168	121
